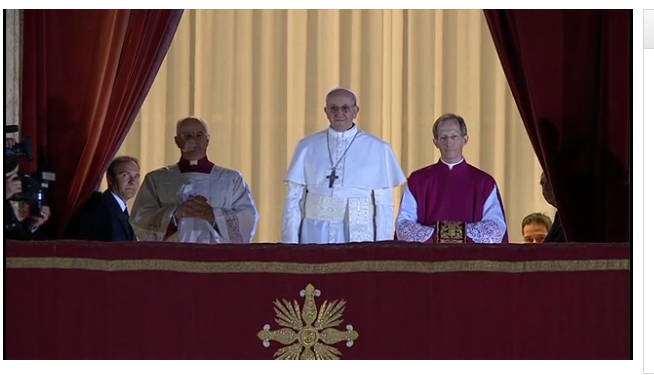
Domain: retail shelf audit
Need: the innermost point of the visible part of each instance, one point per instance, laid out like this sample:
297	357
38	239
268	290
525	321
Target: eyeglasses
345	109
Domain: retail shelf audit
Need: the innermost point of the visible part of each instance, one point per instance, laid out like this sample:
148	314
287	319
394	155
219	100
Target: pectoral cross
331	178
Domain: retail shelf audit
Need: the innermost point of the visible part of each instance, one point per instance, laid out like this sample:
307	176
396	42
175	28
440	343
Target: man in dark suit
104	216
555	233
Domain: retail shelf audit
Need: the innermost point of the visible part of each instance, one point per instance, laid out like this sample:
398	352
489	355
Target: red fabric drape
81	300
85	76
570	74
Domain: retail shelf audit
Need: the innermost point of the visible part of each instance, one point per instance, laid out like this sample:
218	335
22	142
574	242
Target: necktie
126	213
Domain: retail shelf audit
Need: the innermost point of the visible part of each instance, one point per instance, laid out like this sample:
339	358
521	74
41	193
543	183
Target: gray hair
194	118
449	116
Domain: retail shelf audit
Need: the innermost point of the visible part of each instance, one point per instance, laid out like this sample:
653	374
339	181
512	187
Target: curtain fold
86	74
570	75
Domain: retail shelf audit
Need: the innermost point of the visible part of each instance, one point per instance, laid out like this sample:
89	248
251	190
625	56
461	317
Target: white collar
349	133
451	165
122	204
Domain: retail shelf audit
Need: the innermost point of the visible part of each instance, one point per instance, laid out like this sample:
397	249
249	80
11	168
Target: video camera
35	185
17	151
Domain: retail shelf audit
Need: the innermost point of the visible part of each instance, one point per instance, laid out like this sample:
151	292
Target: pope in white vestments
340	182
194	201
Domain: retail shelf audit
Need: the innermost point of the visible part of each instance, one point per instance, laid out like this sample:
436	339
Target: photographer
20	222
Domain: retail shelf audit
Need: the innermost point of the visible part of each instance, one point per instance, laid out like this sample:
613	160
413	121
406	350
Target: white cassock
165	189
358	207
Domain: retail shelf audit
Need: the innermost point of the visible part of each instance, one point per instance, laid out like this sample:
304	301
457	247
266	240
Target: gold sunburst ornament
308	333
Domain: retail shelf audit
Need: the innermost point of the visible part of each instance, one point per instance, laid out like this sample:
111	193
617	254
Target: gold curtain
259	77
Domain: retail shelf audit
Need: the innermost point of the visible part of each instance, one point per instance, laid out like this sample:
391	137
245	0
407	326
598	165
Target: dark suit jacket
556	232
100	219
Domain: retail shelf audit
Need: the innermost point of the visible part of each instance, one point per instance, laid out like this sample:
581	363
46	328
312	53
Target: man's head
535	227
124	177
192	137
450	135
546	188
341	108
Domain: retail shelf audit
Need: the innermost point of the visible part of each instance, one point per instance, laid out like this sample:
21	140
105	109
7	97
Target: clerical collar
195	166
349	133
452	165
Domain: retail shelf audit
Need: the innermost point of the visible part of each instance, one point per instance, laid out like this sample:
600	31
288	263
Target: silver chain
345	152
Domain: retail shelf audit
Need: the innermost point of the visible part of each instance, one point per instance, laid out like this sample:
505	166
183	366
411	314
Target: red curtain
570	74
86	74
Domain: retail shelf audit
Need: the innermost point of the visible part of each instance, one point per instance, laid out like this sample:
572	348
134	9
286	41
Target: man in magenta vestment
451	201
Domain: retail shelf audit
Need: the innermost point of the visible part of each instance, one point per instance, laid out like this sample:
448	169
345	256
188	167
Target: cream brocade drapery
259	77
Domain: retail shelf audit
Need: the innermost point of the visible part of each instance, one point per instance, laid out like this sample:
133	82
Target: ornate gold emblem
308	333
450	232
